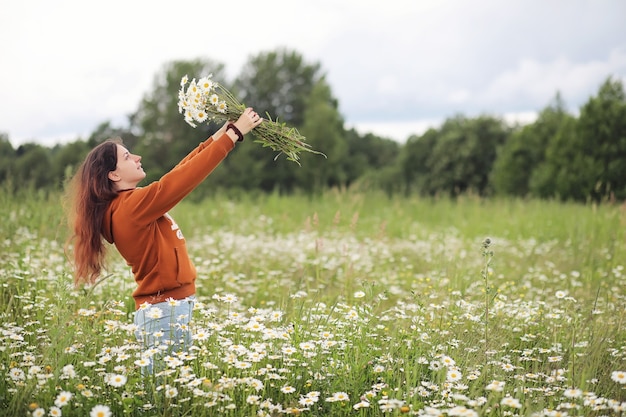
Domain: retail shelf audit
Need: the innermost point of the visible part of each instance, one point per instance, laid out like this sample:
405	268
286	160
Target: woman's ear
113	176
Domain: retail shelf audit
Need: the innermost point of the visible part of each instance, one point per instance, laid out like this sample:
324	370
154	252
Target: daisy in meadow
619	377
496	386
511	402
287	389
63	398
338	397
307	401
170	392
55	412
453	375
115	380
143	362
100	411
572	393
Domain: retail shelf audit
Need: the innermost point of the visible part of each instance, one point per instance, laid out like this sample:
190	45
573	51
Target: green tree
586	160
278	83
106	131
371	162
323	129
463	155
66	158
414	162
602	131
164	138
32	166
565	172
525	150
7	158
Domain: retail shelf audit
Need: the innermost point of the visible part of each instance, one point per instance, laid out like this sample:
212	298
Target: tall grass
345	304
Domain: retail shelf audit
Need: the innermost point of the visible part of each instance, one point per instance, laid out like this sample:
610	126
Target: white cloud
534	82
69	65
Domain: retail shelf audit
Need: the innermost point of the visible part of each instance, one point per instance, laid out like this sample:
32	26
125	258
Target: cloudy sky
396	66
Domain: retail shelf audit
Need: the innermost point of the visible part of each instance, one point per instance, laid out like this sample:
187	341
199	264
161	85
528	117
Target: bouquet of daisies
205	100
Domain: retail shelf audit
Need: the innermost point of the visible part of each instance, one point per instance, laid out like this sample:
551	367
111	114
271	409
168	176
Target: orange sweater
137	222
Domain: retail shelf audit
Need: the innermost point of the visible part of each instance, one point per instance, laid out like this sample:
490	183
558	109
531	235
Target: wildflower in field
572	393
242	365
447	361
143	362
228	298
453	375
338	396
460	411
511	402
115	380
307	401
359	294
201	335
288	350
619	377
254	326
63	398
378	368
17	374
496	386
435	365
55	412
361	404
154	313
560	294
253	399
170	392
100	411
172	302
507	367
287	389
39	412
352	315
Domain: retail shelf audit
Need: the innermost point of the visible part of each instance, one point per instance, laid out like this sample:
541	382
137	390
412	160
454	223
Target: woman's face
128	171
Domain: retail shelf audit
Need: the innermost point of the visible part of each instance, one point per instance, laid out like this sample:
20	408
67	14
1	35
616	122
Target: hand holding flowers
205	100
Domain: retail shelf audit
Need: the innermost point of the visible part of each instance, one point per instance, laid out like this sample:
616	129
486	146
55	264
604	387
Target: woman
108	205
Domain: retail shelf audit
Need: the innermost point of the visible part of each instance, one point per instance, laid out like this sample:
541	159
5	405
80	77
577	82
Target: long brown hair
90	192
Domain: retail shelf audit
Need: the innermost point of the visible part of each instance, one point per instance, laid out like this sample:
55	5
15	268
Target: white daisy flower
55	412
511	402
155	313
63	398
200	116
100	411
619	377
288	389
454	375
170	392
206	85
115	380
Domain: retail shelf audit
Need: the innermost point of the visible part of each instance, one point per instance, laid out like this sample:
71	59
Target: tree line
560	155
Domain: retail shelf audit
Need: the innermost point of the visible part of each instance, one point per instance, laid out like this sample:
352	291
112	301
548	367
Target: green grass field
343	305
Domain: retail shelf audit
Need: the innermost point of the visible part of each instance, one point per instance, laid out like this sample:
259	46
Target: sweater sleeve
148	203
195	152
